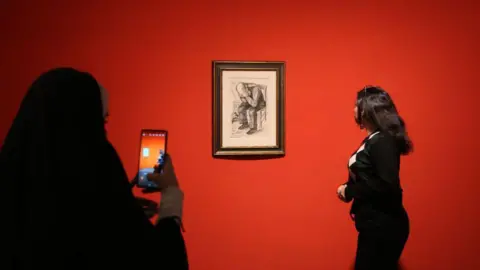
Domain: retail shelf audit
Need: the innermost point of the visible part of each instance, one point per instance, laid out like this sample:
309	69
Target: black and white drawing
249	106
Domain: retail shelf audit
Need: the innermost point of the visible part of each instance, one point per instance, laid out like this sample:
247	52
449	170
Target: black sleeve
171	244
349	182
384	177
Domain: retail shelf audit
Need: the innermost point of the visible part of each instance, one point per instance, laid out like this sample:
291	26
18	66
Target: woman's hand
341	192
171	201
167	178
150	208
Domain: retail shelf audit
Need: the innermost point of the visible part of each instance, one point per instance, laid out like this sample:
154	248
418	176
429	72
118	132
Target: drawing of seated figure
251	111
261	118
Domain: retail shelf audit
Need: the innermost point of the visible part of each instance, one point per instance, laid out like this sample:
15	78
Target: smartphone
153	147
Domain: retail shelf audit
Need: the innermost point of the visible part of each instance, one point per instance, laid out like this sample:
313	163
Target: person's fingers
167	161
168	165
154	177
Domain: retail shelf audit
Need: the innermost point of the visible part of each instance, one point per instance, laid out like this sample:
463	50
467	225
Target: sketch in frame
248	108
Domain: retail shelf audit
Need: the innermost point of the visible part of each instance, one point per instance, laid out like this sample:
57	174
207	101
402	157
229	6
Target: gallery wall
282	214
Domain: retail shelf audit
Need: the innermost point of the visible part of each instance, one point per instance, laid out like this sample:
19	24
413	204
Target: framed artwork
248	108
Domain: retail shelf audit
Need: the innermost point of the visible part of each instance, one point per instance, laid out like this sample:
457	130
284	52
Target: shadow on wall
400	266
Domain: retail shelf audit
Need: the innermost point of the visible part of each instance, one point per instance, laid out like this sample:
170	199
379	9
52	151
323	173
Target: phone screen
153	146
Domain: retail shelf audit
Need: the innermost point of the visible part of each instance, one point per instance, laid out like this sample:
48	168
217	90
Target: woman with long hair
374	183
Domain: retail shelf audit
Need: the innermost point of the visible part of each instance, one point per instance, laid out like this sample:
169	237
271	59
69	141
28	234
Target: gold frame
218	68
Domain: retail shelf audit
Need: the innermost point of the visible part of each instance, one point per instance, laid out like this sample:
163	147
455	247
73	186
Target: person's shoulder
381	139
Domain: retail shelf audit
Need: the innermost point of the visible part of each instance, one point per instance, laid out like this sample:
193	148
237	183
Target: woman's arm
341	194
384	157
169	228
171	244
131	233
172	251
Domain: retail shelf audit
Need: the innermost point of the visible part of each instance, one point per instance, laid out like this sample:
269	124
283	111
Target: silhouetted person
66	200
374	182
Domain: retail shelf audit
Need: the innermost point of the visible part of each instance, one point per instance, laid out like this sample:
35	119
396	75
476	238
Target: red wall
277	214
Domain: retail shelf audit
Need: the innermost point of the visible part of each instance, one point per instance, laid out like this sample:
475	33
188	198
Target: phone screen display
153	146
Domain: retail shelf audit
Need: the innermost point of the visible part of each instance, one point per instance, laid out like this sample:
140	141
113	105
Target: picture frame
248	108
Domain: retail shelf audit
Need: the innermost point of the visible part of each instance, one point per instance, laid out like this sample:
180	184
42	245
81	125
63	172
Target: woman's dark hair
376	108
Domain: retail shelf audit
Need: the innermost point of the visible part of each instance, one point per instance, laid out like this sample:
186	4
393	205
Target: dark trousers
380	249
245	109
242	113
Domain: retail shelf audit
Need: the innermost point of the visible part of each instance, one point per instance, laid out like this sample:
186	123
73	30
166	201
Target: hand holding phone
167	177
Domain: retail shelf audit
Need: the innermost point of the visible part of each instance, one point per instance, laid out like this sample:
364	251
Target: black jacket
374	183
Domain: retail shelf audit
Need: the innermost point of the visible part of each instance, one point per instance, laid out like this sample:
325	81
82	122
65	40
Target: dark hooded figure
66	199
